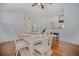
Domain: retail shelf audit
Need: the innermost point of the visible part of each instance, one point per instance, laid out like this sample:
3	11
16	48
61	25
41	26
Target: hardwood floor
61	48
7	48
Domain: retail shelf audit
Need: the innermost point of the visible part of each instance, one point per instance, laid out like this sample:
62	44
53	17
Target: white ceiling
26	8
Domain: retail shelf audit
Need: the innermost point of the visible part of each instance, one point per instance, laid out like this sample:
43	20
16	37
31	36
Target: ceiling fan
42	5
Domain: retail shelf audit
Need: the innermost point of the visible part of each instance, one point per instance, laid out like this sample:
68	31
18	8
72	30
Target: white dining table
31	40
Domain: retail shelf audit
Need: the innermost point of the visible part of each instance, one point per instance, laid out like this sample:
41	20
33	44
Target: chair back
48	37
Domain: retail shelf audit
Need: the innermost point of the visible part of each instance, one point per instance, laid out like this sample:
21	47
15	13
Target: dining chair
44	49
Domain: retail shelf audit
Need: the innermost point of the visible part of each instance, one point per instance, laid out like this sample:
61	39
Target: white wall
12	24
71	30
8	21
13	15
15	20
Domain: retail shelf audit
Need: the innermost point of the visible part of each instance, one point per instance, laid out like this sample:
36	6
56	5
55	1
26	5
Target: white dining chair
44	48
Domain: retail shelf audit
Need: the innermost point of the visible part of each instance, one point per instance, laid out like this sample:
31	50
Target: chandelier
42	5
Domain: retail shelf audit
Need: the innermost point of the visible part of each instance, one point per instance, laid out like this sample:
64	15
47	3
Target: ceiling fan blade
34	4
42	6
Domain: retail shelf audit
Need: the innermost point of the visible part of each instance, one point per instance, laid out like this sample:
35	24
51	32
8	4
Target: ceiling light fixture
42	5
